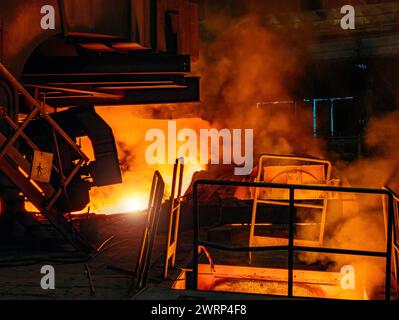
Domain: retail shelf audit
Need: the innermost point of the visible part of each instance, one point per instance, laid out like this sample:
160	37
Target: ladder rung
299	205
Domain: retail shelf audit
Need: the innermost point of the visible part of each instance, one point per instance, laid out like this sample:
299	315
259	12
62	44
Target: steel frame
143	263
262	240
395	243
114	80
292	248
37	109
43	194
174	216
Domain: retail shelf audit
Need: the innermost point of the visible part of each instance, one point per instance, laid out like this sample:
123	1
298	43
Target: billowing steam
243	65
382	166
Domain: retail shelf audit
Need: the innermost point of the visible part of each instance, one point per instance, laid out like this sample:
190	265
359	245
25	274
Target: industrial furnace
199	150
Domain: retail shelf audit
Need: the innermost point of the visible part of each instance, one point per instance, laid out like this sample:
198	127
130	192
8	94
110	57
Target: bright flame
133	194
126	199
130	203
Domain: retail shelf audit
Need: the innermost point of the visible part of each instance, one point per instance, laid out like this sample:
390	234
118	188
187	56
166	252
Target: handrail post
389	248
291	243
174	217
387	254
180	163
195	235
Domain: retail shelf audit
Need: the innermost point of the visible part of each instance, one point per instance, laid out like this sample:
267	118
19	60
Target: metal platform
113	80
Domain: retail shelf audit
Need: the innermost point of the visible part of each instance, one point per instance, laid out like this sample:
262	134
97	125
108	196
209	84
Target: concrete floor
111	271
71	282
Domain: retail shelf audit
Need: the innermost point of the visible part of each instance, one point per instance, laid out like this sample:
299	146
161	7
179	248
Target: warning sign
41	166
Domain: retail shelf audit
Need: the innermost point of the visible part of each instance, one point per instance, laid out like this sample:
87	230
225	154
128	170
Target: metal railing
37	109
291	248
143	263
17	166
262	170
395	242
174	216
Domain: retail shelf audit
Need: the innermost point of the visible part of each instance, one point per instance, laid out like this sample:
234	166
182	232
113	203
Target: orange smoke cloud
243	65
246	64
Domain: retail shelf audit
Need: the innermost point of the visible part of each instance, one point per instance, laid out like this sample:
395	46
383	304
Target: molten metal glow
268	281
132	195
125	198
131	203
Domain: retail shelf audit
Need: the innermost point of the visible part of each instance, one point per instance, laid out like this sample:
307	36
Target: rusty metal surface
131	25
22	32
101	17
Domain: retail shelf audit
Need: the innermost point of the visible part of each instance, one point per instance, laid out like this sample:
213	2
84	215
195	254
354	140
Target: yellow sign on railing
41	166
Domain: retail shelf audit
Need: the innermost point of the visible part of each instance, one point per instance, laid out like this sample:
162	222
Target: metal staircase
17	166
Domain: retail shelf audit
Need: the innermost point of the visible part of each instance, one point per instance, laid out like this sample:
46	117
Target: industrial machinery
270	227
121	52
